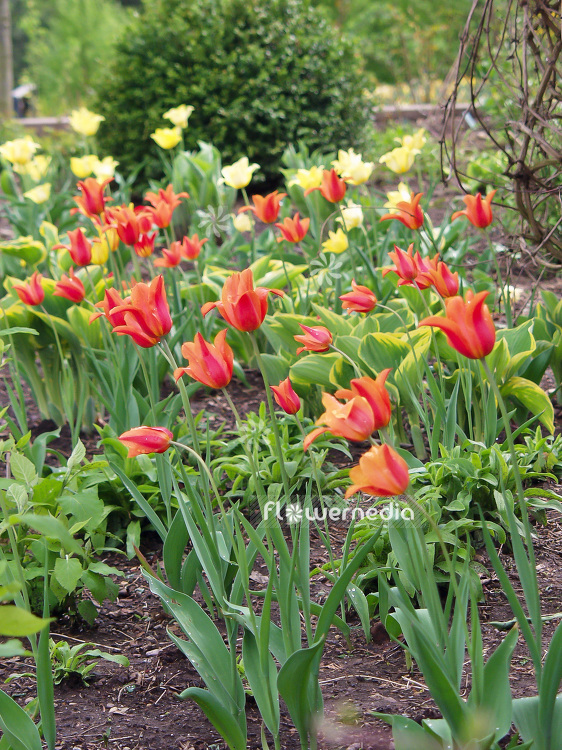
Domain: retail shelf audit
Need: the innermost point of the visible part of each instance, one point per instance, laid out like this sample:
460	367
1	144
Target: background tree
69	48
6	72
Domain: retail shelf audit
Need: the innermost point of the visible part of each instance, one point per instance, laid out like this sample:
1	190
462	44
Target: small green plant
77	662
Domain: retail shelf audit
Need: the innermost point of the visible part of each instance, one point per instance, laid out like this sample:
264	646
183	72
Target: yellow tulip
308	178
352	216
104	168
39	194
239	174
351	167
36	168
396	196
100	251
111	239
400	159
167	138
19	151
242	222
337	242
179	116
416	141
85	122
83	166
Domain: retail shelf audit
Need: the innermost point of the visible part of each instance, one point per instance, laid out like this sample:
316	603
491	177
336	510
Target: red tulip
332	188
405	265
381	472
80	247
145	245
242	306
468	325
361	299
293	230
92	201
127	224
265	208
408	212
315	339
208	364
286	397
445	282
111	305
144	218
31	292
477	211
141	440
376	395
70	287
353	420
144	315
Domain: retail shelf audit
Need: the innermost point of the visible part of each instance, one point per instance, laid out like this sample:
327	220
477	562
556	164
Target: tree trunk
6	70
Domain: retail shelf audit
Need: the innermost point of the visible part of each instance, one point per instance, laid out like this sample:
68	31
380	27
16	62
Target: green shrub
260	76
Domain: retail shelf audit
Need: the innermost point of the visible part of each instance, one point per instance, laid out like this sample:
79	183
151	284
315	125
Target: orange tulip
286	397
265	208
477	211
242	306
468	325
315	339
376	395
31	292
381	472
70	287
361	299
332	188
141	440
80	248
144	315
208	364
353	420
191	246
92	201
168	196
172	256
162	214
408	212
293	230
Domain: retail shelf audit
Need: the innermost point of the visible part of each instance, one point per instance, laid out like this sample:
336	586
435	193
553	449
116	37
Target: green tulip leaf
532	397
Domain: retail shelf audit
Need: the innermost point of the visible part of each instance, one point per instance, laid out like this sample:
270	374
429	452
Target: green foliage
409	41
260	76
70	49
61	519
233	472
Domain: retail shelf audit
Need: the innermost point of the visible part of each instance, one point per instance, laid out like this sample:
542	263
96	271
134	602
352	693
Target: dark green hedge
260	76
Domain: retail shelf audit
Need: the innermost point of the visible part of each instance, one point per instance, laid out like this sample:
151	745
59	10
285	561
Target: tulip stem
167	352
274	424
348	358
252	230
516	470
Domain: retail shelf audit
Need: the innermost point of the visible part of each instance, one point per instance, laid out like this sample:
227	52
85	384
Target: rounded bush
259	75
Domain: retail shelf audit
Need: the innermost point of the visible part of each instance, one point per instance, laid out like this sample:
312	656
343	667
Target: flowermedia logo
295	513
